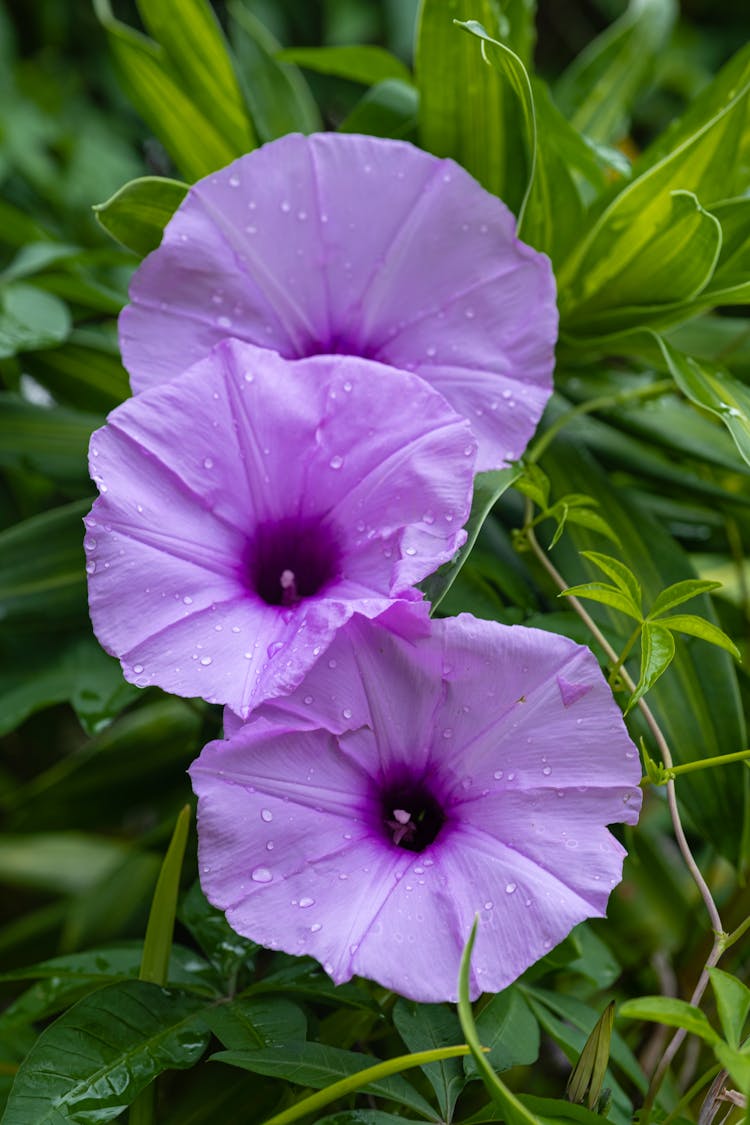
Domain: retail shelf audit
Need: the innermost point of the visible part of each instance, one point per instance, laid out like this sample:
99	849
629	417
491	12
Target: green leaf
732	1003
488	488
96	1058
466	110
587	1076
737	1063
712	387
512	1110
387	110
657	653
42	577
30	319
598	89
192	138
158	941
225	949
63	862
620	574
137	214
729	284
678	593
426	1027
50	442
699	627
85	372
673	1013
277	94
535	484
605	595
191	36
249	1022
511	1032
584	517
554	1111
334	1071
361	1117
697	702
365	64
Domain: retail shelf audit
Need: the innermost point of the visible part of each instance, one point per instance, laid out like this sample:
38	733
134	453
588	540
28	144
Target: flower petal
363	246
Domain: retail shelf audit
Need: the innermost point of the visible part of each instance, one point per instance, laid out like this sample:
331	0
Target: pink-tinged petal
361	246
229	543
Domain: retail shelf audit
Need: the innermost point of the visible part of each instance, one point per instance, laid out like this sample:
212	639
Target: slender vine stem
666	755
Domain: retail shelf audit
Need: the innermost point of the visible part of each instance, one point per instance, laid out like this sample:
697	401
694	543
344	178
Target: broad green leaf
42	576
598	89
678	593
137	214
673	1013
320	1066
62	670
277	94
361	1117
249	1023
366	64
424	1027
657	653
699	627
85	372
535	484
620	574
159	932
677	243
36	257
191	36
192	139
466	109
730	284
386	110
225	949
64	862
737	1063
96	1058
605	595
509	1029
50	442
732	1003
584	517
488	488
696	703
30	319
554	1111
712	387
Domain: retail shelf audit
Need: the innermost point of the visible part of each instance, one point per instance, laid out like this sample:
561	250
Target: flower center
411	816
289	560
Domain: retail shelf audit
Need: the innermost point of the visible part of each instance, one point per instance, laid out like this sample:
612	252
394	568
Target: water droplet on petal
315	926
305	902
261	875
285	206
267	815
205	661
90	567
137	668
208	463
347	712
234	181
336	462
509	888
187	600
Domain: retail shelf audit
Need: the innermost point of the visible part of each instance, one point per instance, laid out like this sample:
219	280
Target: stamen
402	826
288	583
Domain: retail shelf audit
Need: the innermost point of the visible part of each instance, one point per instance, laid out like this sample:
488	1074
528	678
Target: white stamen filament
402	826
288	582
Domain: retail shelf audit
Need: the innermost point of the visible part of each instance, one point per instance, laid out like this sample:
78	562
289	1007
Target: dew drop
305	902
187	600
90	567
224	322
286	206
469	314
261	875
547	771
266	815
510	888
137	668
347	712
274	647
205	661
336	462
411	551
234	181
208	463
331	663
488	905
308	700
448	732
498	775
316	926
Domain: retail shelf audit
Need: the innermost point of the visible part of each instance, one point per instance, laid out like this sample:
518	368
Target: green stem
591	406
707	763
624	654
362	1078
730	939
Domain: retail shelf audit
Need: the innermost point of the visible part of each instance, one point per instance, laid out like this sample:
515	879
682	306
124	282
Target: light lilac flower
356	245
409	784
251	506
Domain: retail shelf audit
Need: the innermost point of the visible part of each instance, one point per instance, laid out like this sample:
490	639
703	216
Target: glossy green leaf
507	1027
425	1027
466	109
732	1003
679	593
137	214
366	64
712	387
30	319
699	627
696	702
657	653
554	1111
321	1066
605	594
191	137
42	575
158	940
672	1012
277	94
249	1023
225	949
386	110
730	283
584	517
621	575
598	89
488	488
94	1060
191	36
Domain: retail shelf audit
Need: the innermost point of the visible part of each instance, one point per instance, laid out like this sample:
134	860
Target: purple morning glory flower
410	783
249	507
362	246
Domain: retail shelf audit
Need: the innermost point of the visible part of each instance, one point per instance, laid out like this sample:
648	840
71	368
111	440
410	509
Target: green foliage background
644	454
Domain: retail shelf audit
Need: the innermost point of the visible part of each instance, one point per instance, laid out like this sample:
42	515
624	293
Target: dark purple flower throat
292	559
411	816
